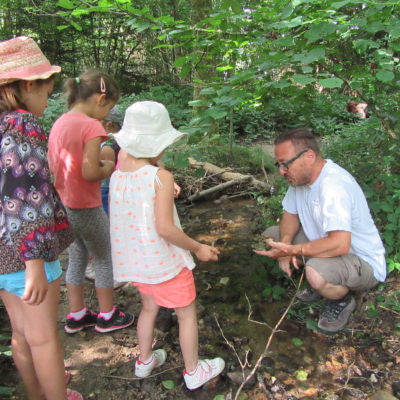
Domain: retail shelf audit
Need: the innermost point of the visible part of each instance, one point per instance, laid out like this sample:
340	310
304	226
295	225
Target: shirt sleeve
289	201
27	204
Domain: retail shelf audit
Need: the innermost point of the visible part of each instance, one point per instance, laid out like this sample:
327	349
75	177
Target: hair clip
78	80
102	85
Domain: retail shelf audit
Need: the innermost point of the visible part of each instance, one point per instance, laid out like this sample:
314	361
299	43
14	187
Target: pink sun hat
22	59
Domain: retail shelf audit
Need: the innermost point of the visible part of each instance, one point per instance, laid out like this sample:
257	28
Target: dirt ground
355	364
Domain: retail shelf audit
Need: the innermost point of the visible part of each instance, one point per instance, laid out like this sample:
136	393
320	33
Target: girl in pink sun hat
33	222
148	245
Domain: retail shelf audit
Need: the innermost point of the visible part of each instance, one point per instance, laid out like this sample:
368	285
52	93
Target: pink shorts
179	291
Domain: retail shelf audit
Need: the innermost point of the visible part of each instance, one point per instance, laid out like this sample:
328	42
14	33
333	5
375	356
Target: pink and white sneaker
204	372
143	370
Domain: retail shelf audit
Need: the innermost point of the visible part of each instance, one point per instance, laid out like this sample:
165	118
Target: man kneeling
326	222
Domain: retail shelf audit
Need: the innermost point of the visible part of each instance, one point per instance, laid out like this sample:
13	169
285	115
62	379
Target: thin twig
265	352
139	379
388	309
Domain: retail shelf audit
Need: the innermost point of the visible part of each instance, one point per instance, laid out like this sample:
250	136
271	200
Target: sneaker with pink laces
143	370
73	395
204	372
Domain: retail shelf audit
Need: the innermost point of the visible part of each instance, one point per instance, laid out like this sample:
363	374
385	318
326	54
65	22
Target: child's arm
94	169
177	188
165	225
36	284
107	153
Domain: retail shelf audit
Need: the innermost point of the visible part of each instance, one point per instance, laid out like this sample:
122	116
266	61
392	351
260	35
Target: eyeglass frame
284	166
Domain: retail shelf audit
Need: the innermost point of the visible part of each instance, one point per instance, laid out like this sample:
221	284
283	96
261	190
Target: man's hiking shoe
73	325
118	320
336	314
308	295
143	370
205	371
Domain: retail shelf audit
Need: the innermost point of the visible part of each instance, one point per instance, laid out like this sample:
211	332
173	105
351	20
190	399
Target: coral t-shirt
67	139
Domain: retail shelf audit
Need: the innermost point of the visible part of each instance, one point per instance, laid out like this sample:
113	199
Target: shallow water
229	225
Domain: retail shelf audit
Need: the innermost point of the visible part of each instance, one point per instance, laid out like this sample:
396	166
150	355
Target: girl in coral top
78	166
149	247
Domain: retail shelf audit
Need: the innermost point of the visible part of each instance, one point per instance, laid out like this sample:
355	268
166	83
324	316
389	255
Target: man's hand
285	253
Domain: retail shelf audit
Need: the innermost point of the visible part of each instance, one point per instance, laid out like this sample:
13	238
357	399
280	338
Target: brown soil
354	364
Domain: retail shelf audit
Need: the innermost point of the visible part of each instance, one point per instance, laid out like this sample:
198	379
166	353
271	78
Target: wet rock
396	388
268	362
237	378
382	395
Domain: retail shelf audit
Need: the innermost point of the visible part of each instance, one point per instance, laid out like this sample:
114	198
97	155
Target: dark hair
10	94
89	83
301	138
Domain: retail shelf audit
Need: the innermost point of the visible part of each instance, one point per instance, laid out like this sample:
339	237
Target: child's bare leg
20	349
42	335
75	297
145	325
188	335
38	352
105	299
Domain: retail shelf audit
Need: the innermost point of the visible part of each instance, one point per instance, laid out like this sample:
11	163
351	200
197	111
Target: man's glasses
285	165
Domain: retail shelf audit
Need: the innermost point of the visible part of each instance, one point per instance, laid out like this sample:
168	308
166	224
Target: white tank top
139	254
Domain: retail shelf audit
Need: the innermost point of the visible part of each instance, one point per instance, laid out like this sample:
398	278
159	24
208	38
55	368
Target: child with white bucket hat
149	247
33	222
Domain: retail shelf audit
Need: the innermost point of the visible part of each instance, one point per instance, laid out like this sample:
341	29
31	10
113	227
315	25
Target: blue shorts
15	282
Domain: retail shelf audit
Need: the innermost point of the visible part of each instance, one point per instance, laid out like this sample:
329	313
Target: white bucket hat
147	130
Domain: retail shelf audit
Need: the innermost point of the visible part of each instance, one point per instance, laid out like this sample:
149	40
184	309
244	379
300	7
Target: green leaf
181	161
362	45
296	341
6	390
168	384
303	79
385	76
216	113
331	83
340	4
219	397
180	61
199	173
315	54
301	375
76	26
67	4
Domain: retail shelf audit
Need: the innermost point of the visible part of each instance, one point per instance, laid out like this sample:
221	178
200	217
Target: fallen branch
218	188
227	175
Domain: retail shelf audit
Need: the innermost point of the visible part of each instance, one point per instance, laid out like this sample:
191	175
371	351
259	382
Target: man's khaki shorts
346	270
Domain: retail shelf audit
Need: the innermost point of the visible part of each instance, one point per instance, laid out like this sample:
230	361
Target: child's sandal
73	395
